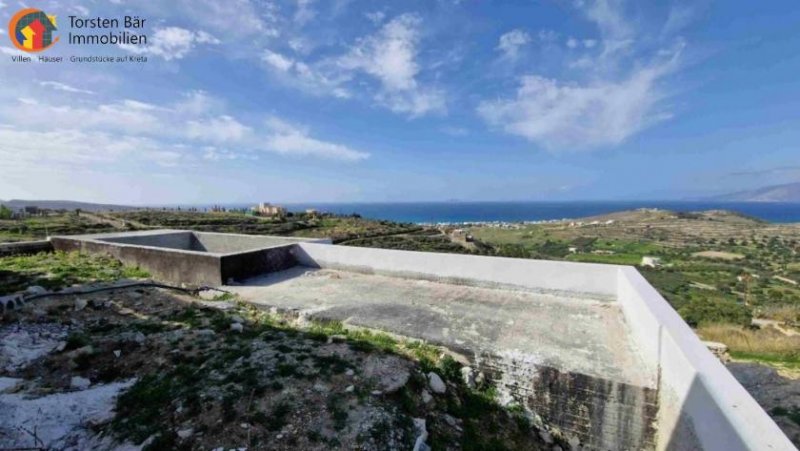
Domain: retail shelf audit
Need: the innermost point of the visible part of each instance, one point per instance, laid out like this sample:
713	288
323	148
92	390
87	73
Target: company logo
31	30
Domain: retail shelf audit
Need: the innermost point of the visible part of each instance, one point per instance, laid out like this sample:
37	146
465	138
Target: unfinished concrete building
592	351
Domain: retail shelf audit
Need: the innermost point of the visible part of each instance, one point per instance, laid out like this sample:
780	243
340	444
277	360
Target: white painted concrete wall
702	404
541	274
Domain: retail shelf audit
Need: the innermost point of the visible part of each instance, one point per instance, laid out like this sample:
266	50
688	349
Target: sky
419	100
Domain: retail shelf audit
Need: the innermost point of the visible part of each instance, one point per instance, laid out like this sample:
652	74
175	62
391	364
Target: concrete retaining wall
25	247
185	257
532	274
167	265
702	406
603	414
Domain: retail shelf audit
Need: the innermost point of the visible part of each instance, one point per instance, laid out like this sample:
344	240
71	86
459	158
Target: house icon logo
31	30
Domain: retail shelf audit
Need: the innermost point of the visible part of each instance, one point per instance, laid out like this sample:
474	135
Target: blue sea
452	212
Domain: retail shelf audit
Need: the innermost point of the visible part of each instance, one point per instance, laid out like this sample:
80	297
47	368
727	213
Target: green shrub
700	311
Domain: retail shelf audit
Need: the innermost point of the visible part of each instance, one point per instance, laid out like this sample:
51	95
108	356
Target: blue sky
357	100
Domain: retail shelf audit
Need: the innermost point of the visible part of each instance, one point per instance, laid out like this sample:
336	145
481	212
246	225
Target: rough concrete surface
575	334
568	358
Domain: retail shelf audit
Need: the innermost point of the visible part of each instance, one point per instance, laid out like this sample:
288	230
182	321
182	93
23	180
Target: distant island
787	192
18	204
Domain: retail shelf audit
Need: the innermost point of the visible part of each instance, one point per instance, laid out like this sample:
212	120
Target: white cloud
80	10
67	148
547	36
235	18
375	17
305	12
572	43
511	42
390	56
277	61
308	78
568	116
14	52
222	129
134	130
172	43
680	15
290	139
58	86
608	98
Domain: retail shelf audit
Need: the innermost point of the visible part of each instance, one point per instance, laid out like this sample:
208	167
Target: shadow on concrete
278	277
700	415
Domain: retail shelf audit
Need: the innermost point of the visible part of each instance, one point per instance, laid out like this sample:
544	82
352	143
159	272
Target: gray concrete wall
162	264
192	258
249	264
226	243
178	240
593	279
602	413
25	247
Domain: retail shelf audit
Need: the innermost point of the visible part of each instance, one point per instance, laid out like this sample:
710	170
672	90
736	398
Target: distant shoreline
462	212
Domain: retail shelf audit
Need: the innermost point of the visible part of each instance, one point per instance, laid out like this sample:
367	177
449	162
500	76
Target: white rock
349	389
468	376
320	387
185	433
426	396
117	353
422	435
35	289
574	443
546	437
436	383
350	372
237	327
62	345
8	383
81	383
80	304
244	426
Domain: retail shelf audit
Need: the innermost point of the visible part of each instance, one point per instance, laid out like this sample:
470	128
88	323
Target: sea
461	212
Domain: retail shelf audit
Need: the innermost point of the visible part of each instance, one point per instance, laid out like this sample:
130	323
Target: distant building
651	262
267	209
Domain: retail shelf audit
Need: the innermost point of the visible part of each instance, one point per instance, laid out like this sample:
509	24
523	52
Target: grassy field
40	227
59	269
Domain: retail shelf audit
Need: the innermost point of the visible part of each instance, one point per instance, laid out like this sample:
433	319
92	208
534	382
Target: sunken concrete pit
193	258
592	351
